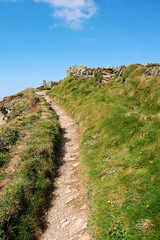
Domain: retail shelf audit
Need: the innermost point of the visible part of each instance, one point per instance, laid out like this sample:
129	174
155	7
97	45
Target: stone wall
82	71
108	72
50	84
153	69
76	70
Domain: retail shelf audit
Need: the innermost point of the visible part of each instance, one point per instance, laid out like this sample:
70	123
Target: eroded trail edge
68	216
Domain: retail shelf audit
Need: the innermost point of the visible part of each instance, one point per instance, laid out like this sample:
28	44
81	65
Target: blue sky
40	39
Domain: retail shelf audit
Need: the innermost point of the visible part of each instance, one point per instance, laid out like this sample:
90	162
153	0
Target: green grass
8	137
10	132
119	125
25	198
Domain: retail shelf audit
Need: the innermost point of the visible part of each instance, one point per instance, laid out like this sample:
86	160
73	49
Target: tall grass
119	125
25	199
8	137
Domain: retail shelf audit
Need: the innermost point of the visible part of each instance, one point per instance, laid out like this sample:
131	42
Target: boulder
2	119
119	70
50	84
109	69
44	84
76	70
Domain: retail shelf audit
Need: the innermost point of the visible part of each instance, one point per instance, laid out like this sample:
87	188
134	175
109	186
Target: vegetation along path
67	218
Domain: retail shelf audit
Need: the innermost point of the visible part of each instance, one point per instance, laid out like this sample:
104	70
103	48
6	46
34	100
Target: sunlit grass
119	126
25	197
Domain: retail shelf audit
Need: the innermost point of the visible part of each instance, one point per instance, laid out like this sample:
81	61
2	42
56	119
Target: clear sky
40	39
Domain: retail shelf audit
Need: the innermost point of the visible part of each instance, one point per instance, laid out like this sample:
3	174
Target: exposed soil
68	215
3	183
15	154
14	160
16	151
44	113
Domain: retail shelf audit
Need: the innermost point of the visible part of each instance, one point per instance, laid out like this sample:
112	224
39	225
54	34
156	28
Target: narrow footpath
68	216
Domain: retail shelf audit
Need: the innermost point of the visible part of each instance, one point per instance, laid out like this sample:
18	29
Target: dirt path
67	218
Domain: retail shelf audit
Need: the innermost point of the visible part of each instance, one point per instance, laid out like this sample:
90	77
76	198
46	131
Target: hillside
28	141
119	124
117	116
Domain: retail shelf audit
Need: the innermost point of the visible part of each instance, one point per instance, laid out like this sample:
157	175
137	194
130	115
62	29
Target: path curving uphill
68	216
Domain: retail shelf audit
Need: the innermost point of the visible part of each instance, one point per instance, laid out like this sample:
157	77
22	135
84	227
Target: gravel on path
68	216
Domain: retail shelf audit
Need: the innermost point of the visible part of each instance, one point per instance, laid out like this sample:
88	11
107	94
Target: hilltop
104	74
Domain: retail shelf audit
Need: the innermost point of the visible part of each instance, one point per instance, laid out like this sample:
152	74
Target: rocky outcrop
3	113
50	84
44	84
4	110
7	107
119	70
2	118
108	72
82	71
148	65
153	69
76	70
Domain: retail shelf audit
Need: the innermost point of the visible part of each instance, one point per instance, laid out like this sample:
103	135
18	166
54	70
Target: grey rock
76	70
2	120
50	84
107	171
108	72
152	71
82	71
4	110
119	70
44	84
148	65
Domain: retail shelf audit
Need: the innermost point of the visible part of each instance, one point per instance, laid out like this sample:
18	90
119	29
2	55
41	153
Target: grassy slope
120	144
25	198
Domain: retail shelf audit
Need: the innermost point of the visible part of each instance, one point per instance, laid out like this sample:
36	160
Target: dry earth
68	215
